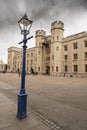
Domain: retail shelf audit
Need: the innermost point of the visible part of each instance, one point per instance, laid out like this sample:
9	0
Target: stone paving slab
6	86
11	127
8	119
39	127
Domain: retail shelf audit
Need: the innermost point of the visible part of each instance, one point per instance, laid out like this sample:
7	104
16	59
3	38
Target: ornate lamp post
25	25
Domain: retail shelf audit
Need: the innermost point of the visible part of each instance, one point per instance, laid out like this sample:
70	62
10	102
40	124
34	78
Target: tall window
57	48
56	68
85	42
86	68
75	45
31	54
39	52
66	68
57	38
86	55
65	57
52	57
75	56
31	62
65	48
75	67
38	68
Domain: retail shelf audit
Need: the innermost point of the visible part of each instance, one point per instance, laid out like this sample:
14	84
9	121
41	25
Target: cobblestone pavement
57	101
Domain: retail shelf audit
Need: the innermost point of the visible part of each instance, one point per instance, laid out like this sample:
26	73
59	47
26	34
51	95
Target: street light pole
23	65
22	95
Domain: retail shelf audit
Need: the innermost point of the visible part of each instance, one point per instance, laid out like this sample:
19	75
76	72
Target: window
38	68
31	62
48	59
65	48
56	68
57	38
66	68
27	55
75	45
65	57
75	56
52	57
86	68
31	54
57	48
85	54
75	68
39	52
85	42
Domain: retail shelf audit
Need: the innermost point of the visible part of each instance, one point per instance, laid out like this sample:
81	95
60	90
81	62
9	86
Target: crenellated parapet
75	36
14	49
57	25
40	33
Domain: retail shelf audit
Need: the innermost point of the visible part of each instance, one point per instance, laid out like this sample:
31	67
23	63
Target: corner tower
57	30
38	36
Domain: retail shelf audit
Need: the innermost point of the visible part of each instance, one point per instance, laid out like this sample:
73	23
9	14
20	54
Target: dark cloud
84	4
52	2
12	10
43	12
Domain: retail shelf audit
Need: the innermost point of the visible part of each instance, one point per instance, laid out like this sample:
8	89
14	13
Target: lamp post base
22	103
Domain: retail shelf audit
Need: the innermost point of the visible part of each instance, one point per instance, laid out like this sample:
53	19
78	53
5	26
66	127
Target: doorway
47	70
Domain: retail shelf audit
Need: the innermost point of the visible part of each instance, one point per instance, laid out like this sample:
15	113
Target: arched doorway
47	70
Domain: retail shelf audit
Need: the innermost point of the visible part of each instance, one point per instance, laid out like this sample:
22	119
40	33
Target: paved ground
8	110
60	100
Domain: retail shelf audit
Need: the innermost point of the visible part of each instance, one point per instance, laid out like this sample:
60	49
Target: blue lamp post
25	25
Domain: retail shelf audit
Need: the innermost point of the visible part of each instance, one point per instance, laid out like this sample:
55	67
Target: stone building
53	54
13	54
3	67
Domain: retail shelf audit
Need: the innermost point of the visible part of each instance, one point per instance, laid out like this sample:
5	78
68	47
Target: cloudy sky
43	12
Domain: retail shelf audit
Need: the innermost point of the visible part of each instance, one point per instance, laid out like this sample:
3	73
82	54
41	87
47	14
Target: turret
39	35
57	29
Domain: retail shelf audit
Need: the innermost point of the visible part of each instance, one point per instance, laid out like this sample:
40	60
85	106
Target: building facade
3	67
53	54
